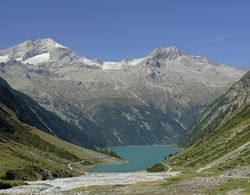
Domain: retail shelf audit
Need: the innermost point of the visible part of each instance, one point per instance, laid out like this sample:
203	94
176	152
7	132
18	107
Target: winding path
70	167
225	157
168	167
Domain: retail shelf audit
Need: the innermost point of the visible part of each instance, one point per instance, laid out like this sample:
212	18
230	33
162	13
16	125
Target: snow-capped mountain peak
31	51
168	85
56	57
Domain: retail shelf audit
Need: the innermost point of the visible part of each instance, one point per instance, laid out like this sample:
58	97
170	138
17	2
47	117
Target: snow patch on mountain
111	66
4	58
139	98
115	133
137	61
57	45
180	123
38	59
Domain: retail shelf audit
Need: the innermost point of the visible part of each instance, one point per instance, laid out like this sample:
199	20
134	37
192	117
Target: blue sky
118	29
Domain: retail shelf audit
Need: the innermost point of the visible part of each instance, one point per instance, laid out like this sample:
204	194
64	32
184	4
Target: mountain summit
30	48
170	53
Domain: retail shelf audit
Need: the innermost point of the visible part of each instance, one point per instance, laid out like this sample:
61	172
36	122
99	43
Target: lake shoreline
138	157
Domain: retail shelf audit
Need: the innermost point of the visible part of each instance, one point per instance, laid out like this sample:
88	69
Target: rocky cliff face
148	100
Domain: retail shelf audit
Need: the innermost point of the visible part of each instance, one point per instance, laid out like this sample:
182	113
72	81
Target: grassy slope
30	154
222	134
220	111
238	186
30	112
224	140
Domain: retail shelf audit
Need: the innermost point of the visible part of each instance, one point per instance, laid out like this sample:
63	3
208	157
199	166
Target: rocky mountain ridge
149	100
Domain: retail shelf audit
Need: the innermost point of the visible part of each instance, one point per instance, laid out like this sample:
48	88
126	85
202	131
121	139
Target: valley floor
234	181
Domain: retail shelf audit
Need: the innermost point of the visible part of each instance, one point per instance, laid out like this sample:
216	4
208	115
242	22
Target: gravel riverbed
89	179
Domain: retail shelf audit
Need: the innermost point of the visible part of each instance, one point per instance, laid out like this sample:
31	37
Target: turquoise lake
138	157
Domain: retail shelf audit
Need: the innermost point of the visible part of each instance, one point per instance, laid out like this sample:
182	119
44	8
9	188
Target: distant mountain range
150	100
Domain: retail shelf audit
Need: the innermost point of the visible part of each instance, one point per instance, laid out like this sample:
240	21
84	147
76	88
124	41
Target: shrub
156	168
4	185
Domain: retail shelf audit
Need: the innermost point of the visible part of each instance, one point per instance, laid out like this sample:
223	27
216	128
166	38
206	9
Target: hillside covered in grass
30	112
221	138
28	153
220	112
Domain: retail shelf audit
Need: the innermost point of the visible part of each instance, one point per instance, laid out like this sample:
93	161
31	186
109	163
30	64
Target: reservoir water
138	157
